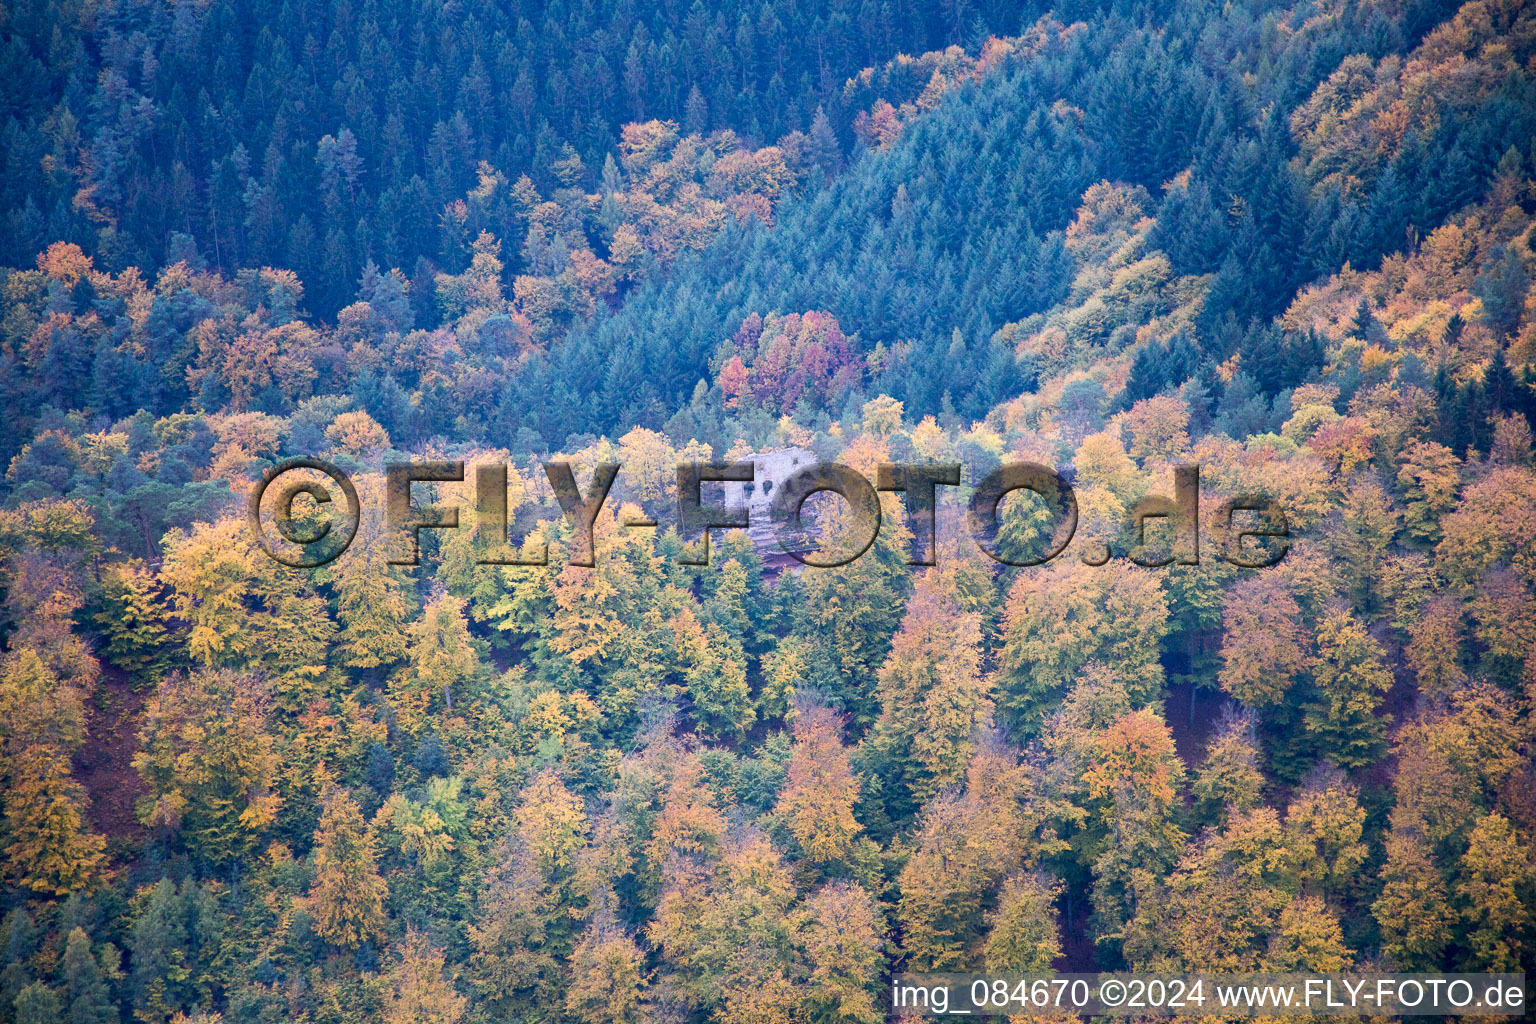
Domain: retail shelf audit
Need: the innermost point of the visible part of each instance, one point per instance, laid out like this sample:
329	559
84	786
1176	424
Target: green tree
37	1004
1413	910
372	603
89	999
1069	614
933	695
1351	677
441	655
1024	936
131	617
208	762
173	942
1429	478
1229	777
1496	888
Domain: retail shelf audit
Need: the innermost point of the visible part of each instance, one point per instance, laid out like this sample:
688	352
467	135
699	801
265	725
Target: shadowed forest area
1290	244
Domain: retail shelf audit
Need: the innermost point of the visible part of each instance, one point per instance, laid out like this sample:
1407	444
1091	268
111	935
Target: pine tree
822	147
159	949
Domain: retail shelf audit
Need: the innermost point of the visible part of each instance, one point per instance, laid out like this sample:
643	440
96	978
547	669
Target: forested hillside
315	136
1292	245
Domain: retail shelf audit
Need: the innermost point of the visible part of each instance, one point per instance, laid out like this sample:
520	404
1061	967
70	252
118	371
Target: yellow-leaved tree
347	897
50	849
207	760
419	994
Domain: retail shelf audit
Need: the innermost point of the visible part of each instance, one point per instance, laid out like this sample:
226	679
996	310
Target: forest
1290	242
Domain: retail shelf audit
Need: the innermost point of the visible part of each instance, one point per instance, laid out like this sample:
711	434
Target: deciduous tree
347	897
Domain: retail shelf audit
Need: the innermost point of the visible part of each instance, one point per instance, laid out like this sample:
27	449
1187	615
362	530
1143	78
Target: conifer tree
159	946
88	1000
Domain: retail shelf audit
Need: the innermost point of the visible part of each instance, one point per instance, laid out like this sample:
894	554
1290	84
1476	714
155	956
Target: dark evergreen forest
1292	243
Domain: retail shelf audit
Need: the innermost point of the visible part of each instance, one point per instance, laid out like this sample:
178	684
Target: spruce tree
88	998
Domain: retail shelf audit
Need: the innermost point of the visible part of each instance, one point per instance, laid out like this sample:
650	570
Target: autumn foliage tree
208	762
347	897
820	790
419	993
48	847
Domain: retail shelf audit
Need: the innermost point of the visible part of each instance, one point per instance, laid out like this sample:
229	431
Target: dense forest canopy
1291	244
